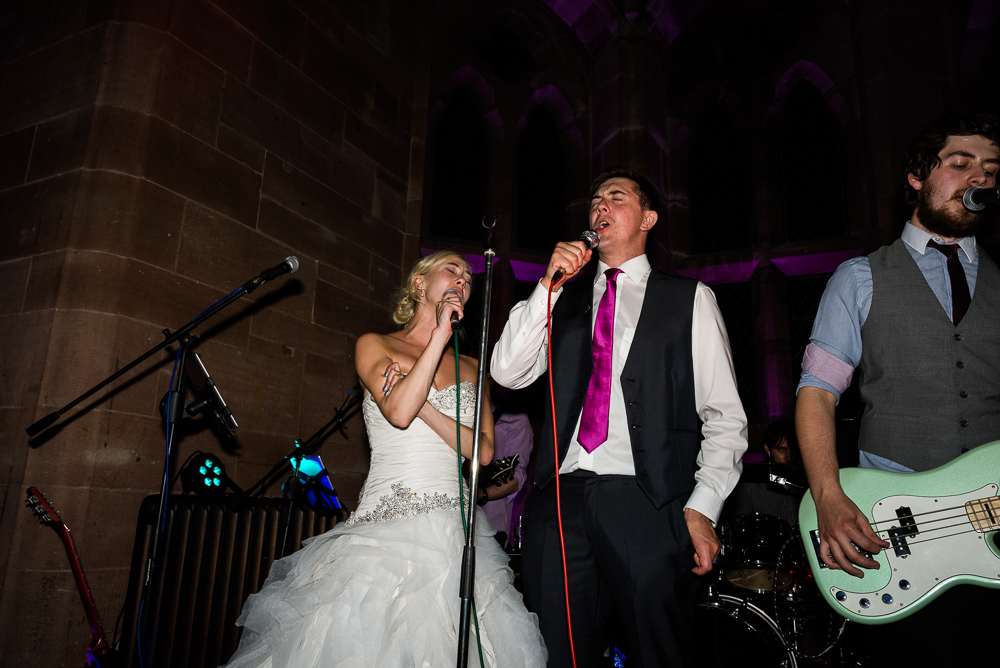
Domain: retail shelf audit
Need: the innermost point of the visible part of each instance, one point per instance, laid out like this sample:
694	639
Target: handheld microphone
590	239
977	197
289	266
454	316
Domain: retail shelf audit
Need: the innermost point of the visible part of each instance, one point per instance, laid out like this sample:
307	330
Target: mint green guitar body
938	541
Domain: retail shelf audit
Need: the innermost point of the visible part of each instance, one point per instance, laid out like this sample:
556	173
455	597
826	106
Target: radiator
213	558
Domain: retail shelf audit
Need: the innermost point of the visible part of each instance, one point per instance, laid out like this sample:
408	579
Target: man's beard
941	220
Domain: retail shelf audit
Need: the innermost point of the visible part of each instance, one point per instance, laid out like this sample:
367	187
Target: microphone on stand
454	316
977	197
289	266
590	239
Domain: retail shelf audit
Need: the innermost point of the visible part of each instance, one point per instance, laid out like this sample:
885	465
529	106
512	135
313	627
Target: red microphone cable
555	447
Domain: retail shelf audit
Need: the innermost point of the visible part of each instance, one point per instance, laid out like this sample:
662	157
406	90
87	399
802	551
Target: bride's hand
450	303
393	375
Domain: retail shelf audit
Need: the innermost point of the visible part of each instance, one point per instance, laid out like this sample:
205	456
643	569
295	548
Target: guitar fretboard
984	513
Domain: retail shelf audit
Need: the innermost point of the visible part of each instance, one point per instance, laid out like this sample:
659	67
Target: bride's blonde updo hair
405	299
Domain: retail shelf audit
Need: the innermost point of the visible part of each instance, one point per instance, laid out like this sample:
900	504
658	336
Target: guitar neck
97	639
984	514
98	643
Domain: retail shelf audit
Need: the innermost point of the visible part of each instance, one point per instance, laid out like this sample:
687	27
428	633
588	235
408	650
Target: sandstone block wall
155	156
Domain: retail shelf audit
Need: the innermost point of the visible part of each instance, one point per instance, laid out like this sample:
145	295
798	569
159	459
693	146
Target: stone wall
155	156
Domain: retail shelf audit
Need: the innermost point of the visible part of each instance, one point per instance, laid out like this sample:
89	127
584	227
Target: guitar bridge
814	539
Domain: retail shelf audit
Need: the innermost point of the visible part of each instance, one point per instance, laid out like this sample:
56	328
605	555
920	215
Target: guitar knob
904	584
887	598
841	596
865	603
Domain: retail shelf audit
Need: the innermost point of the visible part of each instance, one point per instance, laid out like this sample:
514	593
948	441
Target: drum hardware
794	619
765	590
751	544
755	634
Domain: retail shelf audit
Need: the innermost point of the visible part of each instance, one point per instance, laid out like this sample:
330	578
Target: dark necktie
597	404
960	297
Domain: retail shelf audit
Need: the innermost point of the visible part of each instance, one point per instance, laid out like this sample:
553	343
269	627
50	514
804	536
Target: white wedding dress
381	589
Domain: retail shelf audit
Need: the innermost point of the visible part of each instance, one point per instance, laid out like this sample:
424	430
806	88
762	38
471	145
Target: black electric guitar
99	652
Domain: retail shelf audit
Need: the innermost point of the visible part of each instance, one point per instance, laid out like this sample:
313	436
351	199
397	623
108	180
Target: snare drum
752	544
734	633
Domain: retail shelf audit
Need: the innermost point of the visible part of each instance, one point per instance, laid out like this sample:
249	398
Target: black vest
657	385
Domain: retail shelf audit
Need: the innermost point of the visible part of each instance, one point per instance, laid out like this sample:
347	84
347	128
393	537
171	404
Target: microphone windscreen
591	238
293	262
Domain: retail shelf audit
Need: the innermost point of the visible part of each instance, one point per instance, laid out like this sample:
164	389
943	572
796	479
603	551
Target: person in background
512	436
757	492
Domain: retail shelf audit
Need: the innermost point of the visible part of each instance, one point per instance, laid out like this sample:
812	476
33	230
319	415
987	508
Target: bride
382	588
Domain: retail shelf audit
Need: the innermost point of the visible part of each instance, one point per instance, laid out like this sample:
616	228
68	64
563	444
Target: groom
651	433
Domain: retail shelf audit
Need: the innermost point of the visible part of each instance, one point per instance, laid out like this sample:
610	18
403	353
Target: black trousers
618	543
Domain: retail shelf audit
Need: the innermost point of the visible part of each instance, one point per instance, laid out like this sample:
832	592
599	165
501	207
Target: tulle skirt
386	594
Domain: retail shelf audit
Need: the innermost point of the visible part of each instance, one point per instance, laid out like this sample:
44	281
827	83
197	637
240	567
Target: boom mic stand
466	584
174	397
302	448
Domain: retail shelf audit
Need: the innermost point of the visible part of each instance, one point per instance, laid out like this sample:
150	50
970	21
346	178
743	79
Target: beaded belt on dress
403	502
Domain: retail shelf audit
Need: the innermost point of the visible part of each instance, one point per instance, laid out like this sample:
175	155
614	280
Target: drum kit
761	606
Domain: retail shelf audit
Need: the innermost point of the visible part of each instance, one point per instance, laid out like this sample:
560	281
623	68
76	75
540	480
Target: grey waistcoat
931	389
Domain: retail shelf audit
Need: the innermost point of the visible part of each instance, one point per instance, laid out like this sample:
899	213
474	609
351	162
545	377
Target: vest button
958	337
960	365
964	423
635	426
963	394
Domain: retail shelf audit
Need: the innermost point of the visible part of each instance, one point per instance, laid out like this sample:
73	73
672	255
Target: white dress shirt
521	356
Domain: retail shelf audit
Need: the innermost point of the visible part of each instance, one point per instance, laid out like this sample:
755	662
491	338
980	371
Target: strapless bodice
412	470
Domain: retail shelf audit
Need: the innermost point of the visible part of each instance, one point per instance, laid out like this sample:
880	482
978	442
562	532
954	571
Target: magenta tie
597	405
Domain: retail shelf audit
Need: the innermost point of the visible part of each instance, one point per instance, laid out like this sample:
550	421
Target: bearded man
921	318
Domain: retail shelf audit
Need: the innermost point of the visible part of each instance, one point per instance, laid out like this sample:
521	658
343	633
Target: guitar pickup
814	539
908	527
897	538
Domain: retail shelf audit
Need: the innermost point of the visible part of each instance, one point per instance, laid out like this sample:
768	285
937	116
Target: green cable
461	488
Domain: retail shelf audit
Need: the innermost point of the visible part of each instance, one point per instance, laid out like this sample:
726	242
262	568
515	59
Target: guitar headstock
46	513
502	470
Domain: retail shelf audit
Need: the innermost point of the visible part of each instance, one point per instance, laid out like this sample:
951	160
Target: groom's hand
706	543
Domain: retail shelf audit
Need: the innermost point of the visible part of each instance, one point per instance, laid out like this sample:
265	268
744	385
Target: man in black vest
919	317
651	433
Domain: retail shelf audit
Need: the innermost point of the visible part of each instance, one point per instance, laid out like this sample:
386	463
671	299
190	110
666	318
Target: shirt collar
917	239
634	269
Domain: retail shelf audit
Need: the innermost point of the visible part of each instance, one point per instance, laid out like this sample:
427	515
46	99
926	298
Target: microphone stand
174	400
346	411
468	578
245	289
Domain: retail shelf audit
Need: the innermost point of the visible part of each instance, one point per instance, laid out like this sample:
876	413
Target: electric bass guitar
940	525
99	652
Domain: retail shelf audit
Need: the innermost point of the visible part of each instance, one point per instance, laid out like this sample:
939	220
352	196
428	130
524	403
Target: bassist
918	317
